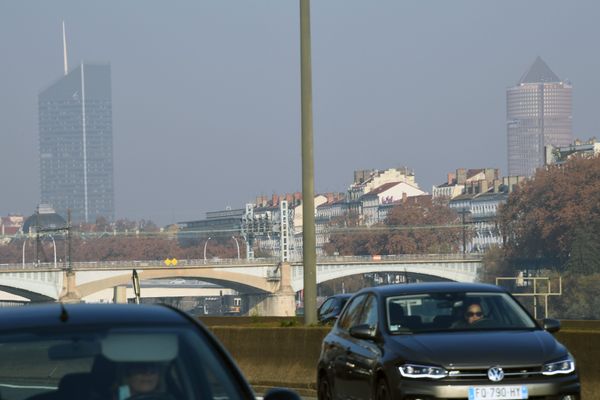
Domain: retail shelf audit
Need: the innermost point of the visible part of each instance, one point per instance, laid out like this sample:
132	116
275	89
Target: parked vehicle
332	307
443	341
114	351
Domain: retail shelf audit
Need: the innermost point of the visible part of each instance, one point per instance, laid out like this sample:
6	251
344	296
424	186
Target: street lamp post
205	243
24	243
54	247
237	245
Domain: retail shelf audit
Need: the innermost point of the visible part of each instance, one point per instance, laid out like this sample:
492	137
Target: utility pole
309	252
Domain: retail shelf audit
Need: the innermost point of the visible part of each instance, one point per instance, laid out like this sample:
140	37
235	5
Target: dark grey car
443	341
332	307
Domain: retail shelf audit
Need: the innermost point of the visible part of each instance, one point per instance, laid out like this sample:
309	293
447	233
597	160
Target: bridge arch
241	282
459	272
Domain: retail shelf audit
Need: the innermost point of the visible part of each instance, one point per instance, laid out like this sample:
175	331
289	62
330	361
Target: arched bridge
46	282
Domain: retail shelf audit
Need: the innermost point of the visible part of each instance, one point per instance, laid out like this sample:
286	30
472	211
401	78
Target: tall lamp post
205	244
24	243
237	245
54	247
309	251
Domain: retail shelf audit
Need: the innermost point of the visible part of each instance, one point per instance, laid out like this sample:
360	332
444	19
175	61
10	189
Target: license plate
498	392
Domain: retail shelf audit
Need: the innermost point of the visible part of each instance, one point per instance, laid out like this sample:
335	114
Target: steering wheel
483	323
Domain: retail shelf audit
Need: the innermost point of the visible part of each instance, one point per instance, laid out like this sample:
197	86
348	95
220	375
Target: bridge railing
241	262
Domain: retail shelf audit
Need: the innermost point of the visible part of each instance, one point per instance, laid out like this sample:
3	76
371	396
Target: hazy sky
206	94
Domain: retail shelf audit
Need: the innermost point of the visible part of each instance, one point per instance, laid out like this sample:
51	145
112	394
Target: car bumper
429	389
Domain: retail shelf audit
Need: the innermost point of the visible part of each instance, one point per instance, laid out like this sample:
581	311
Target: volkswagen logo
495	374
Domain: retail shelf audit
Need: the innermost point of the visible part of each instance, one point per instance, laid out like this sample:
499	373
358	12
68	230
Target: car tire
324	391
382	390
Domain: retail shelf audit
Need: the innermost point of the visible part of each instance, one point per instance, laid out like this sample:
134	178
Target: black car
114	352
443	341
332	307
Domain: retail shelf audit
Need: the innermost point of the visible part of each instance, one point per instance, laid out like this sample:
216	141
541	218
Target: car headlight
422	371
563	366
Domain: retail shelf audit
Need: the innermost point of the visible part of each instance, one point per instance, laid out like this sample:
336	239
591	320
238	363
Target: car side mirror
363	331
551	325
281	394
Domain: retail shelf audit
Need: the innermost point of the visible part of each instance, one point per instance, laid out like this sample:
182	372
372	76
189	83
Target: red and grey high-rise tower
538	113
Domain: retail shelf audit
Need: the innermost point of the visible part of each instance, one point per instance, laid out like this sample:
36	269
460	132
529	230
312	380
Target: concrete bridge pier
281	303
69	293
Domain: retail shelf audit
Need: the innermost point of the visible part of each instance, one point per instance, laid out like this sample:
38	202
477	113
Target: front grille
509	373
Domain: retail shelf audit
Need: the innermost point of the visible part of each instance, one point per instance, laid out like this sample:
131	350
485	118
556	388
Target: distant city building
45	217
480	203
457	183
558	155
367	180
10	225
386	194
538	113
76	144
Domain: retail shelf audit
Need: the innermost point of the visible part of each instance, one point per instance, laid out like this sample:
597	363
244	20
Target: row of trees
415	226
119	247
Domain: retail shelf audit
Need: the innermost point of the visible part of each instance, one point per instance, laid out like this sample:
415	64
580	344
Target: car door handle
350	365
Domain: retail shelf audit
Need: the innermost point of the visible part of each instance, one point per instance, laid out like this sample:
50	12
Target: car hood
472	349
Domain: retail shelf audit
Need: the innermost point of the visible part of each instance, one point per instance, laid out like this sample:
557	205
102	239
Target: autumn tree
422	225
417	225
555	216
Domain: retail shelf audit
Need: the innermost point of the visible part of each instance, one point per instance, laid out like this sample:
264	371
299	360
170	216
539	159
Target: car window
327	306
352	312
455	311
369	312
179	363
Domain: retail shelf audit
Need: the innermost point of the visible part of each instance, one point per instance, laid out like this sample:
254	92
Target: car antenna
64	316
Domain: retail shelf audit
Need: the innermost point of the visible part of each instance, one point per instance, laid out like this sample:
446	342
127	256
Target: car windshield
115	364
455	311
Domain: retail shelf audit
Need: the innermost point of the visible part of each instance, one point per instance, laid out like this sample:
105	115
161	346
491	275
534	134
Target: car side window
352	313
369	312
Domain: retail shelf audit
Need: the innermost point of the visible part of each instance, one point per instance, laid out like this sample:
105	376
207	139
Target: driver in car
472	315
141	380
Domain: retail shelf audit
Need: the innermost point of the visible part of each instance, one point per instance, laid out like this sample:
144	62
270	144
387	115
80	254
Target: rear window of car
449	312
89	365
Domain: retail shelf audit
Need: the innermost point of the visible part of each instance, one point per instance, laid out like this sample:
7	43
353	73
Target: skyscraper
538	112
76	148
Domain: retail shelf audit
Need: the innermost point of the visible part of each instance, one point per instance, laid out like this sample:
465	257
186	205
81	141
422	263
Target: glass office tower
76	147
539	113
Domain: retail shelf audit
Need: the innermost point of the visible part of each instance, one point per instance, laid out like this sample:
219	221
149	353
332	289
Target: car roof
341	296
51	315
432	287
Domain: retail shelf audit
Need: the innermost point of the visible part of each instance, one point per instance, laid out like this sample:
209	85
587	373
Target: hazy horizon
206	95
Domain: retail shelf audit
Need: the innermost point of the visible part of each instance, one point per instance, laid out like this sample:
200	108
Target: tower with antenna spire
75	141
538	113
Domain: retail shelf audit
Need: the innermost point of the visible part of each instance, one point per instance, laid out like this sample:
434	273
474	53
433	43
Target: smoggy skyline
206	95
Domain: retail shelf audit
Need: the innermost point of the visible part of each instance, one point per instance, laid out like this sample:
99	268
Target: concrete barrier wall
271	357
275	356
